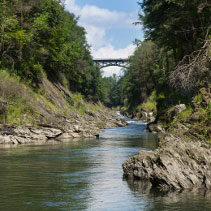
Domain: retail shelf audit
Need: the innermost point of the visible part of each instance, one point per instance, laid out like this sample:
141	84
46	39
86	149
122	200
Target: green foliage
145	73
18	97
113	91
176	25
186	113
16	109
173	29
151	104
197	99
78	103
41	37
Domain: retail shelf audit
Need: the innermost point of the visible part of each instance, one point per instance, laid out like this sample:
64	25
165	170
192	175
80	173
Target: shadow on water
188	200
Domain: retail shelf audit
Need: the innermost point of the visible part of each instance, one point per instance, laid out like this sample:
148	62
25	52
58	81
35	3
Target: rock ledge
177	165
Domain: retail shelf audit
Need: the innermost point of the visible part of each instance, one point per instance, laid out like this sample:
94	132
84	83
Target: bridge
101	63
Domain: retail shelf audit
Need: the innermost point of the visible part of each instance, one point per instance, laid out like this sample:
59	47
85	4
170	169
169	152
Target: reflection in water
190	200
85	175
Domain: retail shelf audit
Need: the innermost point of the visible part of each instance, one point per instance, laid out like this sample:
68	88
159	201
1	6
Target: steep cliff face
183	159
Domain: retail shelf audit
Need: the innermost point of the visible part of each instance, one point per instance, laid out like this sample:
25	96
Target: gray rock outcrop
82	126
177	165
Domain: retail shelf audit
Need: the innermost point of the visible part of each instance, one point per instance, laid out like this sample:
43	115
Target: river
86	175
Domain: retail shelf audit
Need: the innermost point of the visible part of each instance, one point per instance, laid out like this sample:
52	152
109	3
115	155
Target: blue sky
109	26
119	5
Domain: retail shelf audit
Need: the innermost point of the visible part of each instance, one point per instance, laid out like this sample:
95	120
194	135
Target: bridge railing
110	60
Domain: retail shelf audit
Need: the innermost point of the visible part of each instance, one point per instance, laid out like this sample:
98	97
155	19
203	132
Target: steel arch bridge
102	63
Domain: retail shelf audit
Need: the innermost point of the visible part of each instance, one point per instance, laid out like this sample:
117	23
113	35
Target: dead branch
192	71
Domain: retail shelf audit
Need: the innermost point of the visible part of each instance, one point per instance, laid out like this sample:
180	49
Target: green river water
86	175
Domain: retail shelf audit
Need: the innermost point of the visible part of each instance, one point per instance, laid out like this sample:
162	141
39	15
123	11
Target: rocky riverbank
51	112
183	159
81	126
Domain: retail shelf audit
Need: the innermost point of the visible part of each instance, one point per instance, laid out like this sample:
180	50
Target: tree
176	25
40	36
144	74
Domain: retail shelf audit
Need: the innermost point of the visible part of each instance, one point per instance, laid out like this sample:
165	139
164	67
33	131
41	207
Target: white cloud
97	21
110	52
104	17
71	6
109	71
95	36
101	17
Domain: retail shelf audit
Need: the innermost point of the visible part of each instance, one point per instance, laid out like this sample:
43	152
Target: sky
109	26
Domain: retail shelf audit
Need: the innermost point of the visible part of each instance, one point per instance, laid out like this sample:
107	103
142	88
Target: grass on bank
151	104
17	96
25	103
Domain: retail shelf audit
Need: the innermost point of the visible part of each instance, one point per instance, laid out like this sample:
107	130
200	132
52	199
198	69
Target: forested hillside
39	37
173	62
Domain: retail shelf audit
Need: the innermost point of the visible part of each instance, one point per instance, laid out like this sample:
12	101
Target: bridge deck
110	60
103	62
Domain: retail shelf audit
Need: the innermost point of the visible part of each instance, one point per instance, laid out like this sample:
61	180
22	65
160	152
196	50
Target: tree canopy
40	36
178	25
